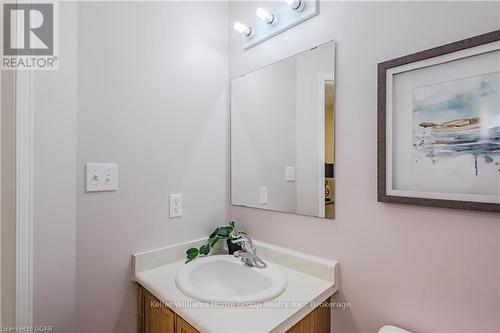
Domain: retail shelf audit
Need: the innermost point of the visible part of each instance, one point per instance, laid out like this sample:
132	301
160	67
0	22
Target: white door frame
322	79
24	195
1	297
24	199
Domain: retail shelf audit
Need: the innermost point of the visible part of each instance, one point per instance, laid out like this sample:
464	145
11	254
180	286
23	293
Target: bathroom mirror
282	135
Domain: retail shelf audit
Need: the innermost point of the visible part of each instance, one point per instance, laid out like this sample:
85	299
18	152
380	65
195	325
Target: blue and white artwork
456	127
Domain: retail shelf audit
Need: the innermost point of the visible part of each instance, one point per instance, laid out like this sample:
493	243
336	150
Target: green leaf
233	233
189	260
213	241
192	253
205	249
223	232
213	233
229	230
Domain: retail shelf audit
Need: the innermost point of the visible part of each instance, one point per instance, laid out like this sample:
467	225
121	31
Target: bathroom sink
225	279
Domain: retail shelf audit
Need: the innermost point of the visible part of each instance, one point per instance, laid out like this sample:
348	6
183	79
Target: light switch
263	195
101	177
290	174
175	205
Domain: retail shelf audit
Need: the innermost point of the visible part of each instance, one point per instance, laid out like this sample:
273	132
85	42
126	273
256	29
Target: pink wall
152	98
54	177
440	268
428	270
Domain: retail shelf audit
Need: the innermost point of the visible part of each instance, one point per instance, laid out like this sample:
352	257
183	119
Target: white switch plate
101	177
290	174
175	205
263	195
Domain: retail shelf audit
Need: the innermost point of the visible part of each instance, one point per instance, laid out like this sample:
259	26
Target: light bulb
265	15
242	29
295	4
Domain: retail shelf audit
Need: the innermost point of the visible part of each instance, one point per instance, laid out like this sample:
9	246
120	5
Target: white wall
426	269
54	182
152	97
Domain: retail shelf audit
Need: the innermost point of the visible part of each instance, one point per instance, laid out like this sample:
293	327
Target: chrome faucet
248	252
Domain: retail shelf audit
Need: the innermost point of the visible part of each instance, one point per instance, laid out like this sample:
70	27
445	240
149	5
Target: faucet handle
241	239
250	259
246	243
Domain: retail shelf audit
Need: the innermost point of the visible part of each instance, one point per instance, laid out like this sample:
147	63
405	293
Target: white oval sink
225	279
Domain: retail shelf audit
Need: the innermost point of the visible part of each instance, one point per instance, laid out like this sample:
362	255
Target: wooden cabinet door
318	321
161	320
154	317
182	326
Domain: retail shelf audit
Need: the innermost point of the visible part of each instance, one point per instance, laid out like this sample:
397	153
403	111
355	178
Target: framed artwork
439	126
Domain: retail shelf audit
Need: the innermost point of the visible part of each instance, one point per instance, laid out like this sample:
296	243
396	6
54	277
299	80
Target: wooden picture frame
385	89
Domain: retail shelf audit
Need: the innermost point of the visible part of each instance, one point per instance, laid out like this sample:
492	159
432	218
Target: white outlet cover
101	177
290	174
263	195
175	205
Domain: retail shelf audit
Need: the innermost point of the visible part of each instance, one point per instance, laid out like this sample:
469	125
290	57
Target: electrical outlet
175	205
290	174
263	195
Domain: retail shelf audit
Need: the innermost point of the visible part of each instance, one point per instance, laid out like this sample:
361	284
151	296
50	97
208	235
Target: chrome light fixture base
284	18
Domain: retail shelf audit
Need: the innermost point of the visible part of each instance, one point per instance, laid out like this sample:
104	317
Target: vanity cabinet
181	326
317	321
155	317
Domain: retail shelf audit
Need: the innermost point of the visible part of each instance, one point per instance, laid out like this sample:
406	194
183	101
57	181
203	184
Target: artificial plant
225	232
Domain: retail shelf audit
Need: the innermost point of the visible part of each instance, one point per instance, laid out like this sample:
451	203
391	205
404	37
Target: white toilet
392	329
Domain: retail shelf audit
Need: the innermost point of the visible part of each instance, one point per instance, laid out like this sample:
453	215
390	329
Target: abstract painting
456	127
439	126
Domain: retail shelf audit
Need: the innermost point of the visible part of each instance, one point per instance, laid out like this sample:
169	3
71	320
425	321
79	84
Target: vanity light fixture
265	15
242	29
270	24
297	5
